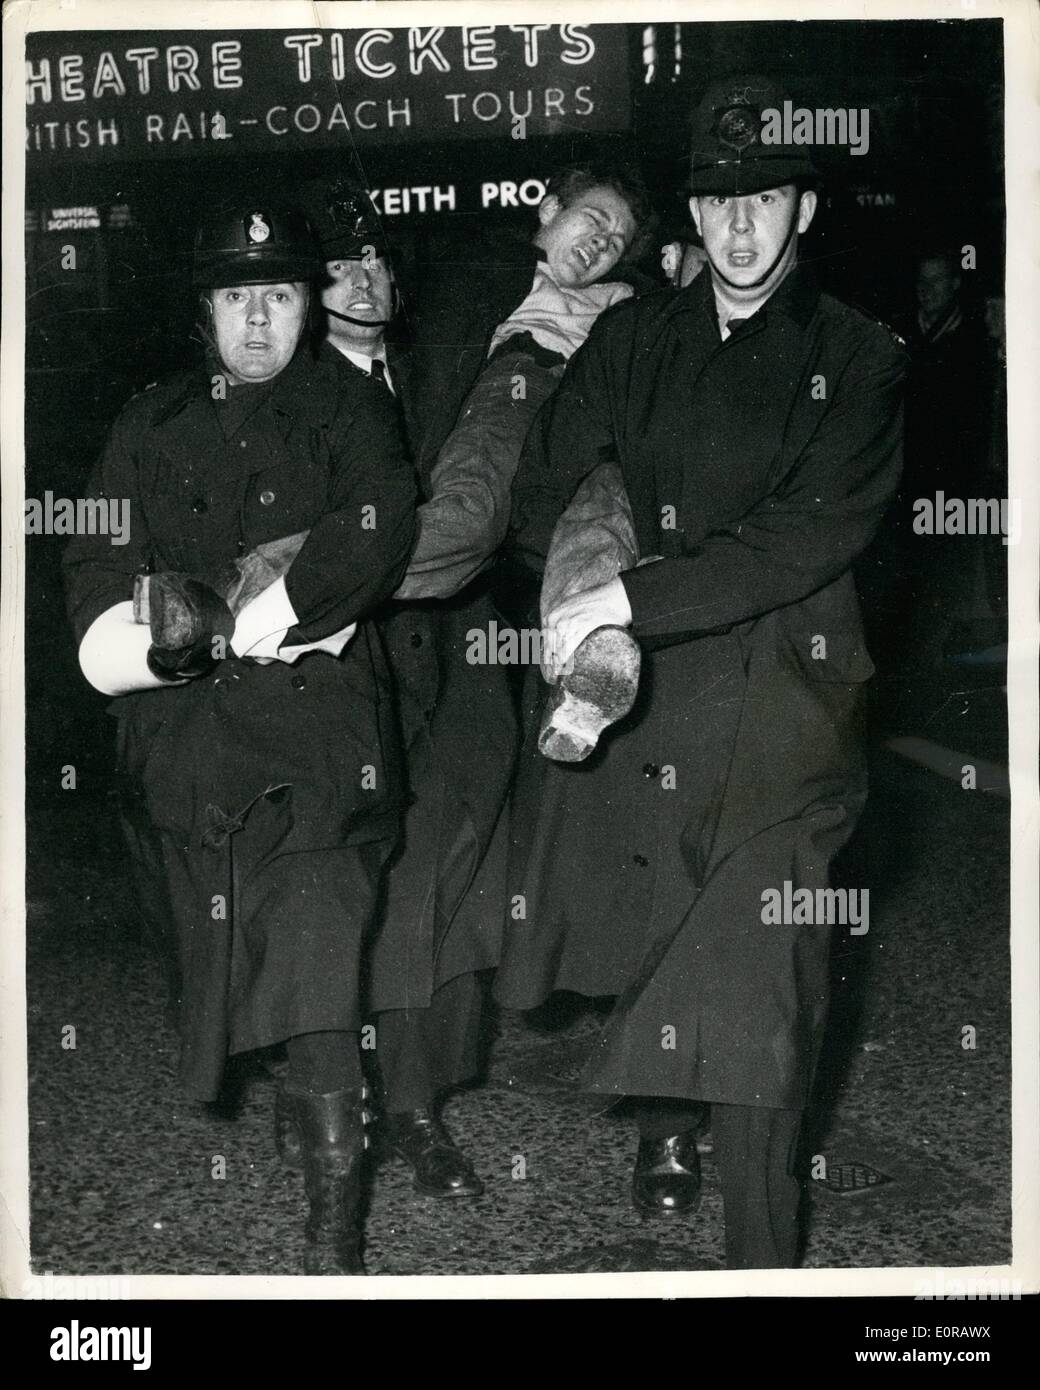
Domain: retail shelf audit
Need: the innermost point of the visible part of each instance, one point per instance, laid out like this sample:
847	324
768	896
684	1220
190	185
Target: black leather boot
287	1141
667	1177
330	1131
441	1168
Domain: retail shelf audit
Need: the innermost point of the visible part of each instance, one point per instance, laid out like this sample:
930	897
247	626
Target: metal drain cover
851	1179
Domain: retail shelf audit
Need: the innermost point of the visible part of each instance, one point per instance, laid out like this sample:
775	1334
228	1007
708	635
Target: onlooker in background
916	585
944	385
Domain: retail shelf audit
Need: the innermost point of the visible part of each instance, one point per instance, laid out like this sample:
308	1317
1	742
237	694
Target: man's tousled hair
572	180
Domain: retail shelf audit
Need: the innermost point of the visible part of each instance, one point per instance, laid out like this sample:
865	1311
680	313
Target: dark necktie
381	374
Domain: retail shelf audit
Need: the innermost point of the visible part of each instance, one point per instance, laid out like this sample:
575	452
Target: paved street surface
122	1166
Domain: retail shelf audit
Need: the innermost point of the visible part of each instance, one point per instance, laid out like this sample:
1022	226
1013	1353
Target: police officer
360	299
439	924
260	744
757	423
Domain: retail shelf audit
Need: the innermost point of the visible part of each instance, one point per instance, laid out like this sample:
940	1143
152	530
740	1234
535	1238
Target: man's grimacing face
257	328
362	287
744	234
585	240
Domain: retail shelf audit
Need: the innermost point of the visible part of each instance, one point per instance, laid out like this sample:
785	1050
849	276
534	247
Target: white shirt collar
361	359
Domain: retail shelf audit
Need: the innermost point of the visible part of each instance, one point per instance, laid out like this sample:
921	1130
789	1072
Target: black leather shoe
667	1177
441	1169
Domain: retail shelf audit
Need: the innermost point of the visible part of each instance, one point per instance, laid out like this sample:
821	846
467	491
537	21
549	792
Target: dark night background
934	171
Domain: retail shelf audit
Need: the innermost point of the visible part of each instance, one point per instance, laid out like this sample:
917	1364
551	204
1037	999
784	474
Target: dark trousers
321	1063
755	1151
419	1052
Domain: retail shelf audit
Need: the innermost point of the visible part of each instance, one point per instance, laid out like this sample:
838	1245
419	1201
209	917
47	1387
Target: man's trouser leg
659	1117
593	542
594	539
419	1052
323	1062
755	1153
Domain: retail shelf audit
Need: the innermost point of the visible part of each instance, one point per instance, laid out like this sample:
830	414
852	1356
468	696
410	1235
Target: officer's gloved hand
191	626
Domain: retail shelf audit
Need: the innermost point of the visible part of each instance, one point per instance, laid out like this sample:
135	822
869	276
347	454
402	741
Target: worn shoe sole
599	689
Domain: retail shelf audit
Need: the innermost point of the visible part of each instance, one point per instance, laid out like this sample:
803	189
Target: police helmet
344	219
727	151
255	243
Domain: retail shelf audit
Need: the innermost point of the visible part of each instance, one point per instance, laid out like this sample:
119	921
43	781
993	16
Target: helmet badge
258	229
738	127
347	211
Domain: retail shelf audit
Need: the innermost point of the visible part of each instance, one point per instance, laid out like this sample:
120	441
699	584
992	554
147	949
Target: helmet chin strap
755	284
370	323
360	323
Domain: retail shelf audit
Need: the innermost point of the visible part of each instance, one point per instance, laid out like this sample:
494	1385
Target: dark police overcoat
440	909
268	795
759	468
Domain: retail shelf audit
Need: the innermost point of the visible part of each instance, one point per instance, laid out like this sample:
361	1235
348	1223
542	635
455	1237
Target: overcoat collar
796	299
287	392
204	457
333	356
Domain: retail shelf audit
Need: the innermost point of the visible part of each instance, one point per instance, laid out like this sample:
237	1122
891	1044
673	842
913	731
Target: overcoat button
651	770
641	860
266	497
240	546
299	681
199	504
241	443
416	639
